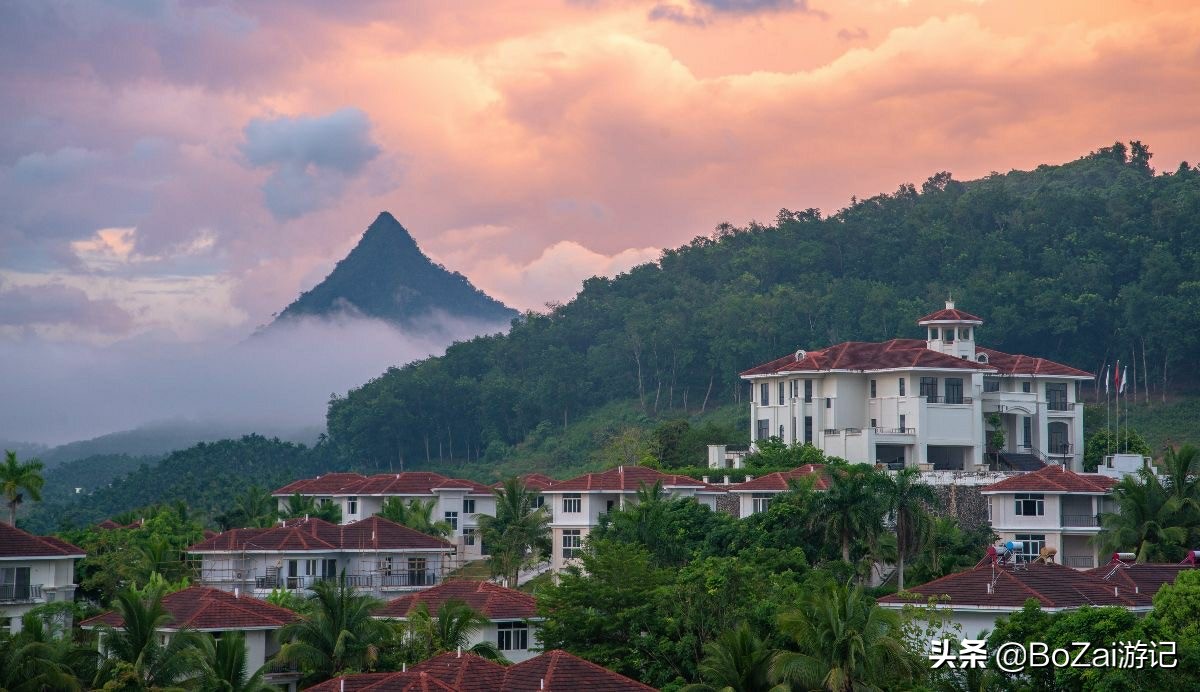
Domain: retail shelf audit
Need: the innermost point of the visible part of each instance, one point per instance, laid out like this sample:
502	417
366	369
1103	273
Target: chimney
542	684
237	592
749	478
704	478
991	588
726	481
459	652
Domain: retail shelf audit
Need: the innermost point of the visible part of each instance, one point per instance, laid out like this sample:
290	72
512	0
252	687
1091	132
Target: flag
1107	368
1124	377
1117	378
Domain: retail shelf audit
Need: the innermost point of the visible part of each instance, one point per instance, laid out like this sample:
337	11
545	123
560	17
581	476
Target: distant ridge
386	276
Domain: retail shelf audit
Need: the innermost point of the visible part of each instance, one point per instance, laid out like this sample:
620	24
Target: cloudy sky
174	171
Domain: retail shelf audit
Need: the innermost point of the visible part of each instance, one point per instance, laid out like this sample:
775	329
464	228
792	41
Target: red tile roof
532	481
1144	577
1010	364
15	542
778	481
1052	479
406	483
297	535
1051	585
563	672
553	671
492	600
949	314
864	355
629	479
203	608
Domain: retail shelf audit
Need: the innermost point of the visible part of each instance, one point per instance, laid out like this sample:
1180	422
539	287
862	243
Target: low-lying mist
281	378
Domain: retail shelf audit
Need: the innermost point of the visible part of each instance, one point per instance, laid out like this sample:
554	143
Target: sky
173	172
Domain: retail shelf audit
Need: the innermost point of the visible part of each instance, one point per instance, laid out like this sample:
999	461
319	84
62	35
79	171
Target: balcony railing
948	399
20	593
1079	561
1064	449
1056	405
400	579
895	431
1080	520
831	431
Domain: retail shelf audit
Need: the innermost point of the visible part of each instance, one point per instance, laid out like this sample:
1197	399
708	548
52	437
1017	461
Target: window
417	574
793	429
352	505
782	400
954	389
1026	432
452	519
948	335
539	501
808	391
929	388
902	426
469	535
1025	387
385	566
964	332
901	386
764	429
1056	396
872	389
828	402
991	384
781	432
572	543
572	503
1030	504
329	569
326	501
982	358
808	430
1058	443
468	505
14	584
761	502
874	423
609	505
764	391
512	636
1031	545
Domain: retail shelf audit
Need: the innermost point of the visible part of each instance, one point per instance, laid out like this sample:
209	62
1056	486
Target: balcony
20	593
1059	405
397	580
950	400
1076	521
895	431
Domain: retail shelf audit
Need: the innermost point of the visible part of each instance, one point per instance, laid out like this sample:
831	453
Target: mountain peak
387	276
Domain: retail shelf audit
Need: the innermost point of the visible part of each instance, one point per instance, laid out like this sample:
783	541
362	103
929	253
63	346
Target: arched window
982	358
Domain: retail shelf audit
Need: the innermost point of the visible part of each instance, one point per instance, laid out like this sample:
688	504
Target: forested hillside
1084	263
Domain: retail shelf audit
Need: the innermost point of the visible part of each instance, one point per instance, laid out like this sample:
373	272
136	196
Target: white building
216	612
577	504
755	495
512	615
922	403
457	501
378	557
1053	507
33	570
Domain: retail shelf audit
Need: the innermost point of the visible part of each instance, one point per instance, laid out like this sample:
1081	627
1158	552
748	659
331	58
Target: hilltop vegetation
1083	263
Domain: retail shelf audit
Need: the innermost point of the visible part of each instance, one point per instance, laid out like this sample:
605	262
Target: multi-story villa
457	501
33	570
922	403
755	495
578	504
378	557
1053	507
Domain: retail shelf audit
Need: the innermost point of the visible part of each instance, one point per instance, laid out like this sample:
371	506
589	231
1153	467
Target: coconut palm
906	499
16	479
40	658
1147	522
737	661
255	508
336	634
844	642
416	514
223	666
850	507
451	628
300	507
134	650
518	531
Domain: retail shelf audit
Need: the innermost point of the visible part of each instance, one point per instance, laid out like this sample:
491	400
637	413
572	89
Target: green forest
1084	263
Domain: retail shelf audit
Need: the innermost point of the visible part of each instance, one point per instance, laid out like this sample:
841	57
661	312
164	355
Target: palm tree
517	530
737	661
416	514
254	508
135	650
17	477
849	507
300	506
1148	520
453	627
39	658
906	498
336	634
844	642
223	666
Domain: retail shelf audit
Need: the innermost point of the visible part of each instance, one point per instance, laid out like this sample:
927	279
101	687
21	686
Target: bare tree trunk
1145	374
657	392
704	405
426	436
637	358
1164	385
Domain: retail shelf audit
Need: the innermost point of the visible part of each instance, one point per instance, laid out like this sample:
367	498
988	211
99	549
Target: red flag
1117	377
